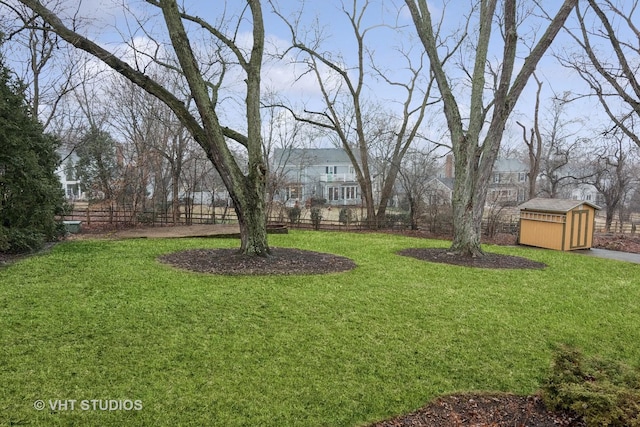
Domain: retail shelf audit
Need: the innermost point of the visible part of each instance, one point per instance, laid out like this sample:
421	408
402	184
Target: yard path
207	230
608	254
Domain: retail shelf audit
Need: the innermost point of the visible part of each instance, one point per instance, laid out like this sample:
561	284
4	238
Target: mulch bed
485	410
489	260
281	261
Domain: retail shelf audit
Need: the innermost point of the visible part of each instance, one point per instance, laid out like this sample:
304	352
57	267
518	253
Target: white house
509	182
66	172
300	175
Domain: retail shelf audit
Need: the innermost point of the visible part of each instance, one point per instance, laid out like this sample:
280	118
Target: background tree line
177	101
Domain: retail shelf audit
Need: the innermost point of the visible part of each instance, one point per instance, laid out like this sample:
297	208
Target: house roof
311	156
509	165
447	182
554	205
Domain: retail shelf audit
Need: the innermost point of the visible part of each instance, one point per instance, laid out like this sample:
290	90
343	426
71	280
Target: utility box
72	227
559	224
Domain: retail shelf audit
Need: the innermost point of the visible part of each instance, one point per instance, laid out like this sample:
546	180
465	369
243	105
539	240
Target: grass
104	320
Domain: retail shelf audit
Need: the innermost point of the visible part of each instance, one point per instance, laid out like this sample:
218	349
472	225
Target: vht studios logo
88	405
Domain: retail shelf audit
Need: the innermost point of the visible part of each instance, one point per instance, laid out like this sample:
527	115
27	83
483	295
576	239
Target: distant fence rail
123	218
129	218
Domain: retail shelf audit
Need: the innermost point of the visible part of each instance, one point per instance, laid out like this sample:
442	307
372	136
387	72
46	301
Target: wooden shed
558	224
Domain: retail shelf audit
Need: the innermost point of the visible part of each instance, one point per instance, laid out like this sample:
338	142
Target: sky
107	22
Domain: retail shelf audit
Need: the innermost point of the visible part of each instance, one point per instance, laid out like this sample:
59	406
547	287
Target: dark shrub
396	220
294	214
20	240
30	192
346	216
317	202
316	217
146	217
604	392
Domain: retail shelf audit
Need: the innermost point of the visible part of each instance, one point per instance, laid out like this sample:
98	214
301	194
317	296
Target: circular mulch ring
489	260
281	261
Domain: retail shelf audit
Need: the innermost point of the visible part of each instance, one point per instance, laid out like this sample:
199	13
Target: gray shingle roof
509	165
554	205
311	156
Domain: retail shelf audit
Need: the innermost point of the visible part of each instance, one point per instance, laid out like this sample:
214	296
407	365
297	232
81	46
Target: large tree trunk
367	199
253	223
387	192
249	200
469	196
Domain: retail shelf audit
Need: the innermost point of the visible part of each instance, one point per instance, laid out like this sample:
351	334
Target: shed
558	224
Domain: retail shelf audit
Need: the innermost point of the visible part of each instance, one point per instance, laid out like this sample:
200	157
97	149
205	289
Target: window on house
433	198
436	197
293	192
349	193
334	193
73	190
331	170
496	178
522	176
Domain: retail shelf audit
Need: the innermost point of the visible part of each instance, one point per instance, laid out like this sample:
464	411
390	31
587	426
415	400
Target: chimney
448	166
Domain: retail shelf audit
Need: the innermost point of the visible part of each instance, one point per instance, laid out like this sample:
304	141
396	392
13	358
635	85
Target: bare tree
355	121
534	144
283	136
155	144
416	170
475	147
247	189
561	149
44	66
609	37
612	174
132	120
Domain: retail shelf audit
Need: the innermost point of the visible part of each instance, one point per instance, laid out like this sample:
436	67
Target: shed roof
554	205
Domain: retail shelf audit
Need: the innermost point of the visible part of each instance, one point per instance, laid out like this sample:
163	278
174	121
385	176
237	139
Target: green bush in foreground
20	240
604	392
30	192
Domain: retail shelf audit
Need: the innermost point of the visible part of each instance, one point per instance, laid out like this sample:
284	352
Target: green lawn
104	320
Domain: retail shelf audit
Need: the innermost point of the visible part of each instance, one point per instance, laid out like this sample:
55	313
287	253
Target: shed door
579	228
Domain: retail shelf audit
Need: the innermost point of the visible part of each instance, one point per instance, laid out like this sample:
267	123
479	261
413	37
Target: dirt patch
168	232
617	242
282	261
489	260
486	410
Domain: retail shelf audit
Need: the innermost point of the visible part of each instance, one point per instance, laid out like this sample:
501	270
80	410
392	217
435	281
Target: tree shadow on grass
489	260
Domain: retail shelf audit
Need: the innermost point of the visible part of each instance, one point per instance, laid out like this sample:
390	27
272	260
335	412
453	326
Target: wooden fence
121	218
124	218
